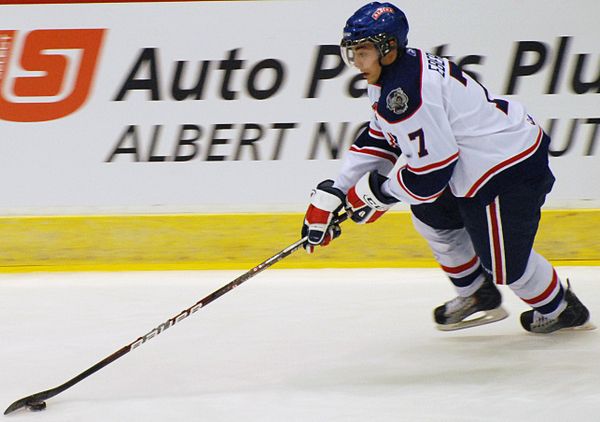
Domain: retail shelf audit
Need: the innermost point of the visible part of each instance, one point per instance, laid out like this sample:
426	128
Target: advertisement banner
245	106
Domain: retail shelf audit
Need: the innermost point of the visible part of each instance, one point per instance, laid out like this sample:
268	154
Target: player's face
366	59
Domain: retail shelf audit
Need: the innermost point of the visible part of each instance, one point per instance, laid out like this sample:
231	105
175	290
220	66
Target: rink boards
238	241
149	135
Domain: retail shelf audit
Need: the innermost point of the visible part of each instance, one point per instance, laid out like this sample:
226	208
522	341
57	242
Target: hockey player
474	169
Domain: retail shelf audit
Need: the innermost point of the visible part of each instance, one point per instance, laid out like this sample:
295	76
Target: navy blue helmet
378	23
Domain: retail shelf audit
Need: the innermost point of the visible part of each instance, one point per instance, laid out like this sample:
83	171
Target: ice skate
574	317
482	307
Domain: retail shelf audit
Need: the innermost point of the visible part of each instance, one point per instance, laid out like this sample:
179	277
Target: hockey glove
366	202
326	201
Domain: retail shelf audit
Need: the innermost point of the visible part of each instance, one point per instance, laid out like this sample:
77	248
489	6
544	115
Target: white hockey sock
540	287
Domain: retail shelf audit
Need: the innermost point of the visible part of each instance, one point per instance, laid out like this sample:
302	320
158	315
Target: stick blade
17	405
26	401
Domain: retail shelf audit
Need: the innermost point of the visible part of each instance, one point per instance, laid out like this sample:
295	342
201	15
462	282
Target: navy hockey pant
502	233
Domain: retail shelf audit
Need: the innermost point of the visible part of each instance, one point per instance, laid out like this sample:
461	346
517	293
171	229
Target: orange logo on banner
51	76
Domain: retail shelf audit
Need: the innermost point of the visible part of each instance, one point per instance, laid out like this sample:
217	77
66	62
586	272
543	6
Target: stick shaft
44	395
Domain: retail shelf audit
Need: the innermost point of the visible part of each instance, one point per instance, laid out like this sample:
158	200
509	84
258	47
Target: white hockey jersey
447	127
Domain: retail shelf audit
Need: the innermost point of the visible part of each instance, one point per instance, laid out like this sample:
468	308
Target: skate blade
587	326
487	317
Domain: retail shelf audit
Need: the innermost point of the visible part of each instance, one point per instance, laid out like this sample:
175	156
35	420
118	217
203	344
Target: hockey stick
37	401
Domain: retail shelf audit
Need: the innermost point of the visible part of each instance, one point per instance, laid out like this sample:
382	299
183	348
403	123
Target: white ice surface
310	345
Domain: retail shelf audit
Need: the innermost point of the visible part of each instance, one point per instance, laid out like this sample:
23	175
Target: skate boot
486	302
574	317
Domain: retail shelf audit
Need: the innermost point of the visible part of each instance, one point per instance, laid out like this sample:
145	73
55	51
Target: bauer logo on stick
46	74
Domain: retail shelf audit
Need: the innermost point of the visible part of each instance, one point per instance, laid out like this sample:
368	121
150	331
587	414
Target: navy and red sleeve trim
425	187
367	143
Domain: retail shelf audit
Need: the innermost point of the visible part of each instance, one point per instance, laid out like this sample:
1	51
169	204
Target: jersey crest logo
397	101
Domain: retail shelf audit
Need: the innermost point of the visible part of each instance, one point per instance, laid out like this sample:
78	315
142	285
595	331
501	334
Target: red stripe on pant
497	252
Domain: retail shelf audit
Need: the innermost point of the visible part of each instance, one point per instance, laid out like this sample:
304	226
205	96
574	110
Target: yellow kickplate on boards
240	241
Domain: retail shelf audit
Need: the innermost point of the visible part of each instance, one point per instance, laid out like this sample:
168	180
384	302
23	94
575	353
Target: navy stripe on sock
553	304
467	280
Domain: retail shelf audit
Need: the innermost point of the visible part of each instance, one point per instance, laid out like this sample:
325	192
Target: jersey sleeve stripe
414	195
367	140
434	166
375	152
376	134
506	163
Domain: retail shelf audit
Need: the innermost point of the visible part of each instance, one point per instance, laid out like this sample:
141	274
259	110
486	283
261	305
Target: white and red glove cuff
326	201
366	201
